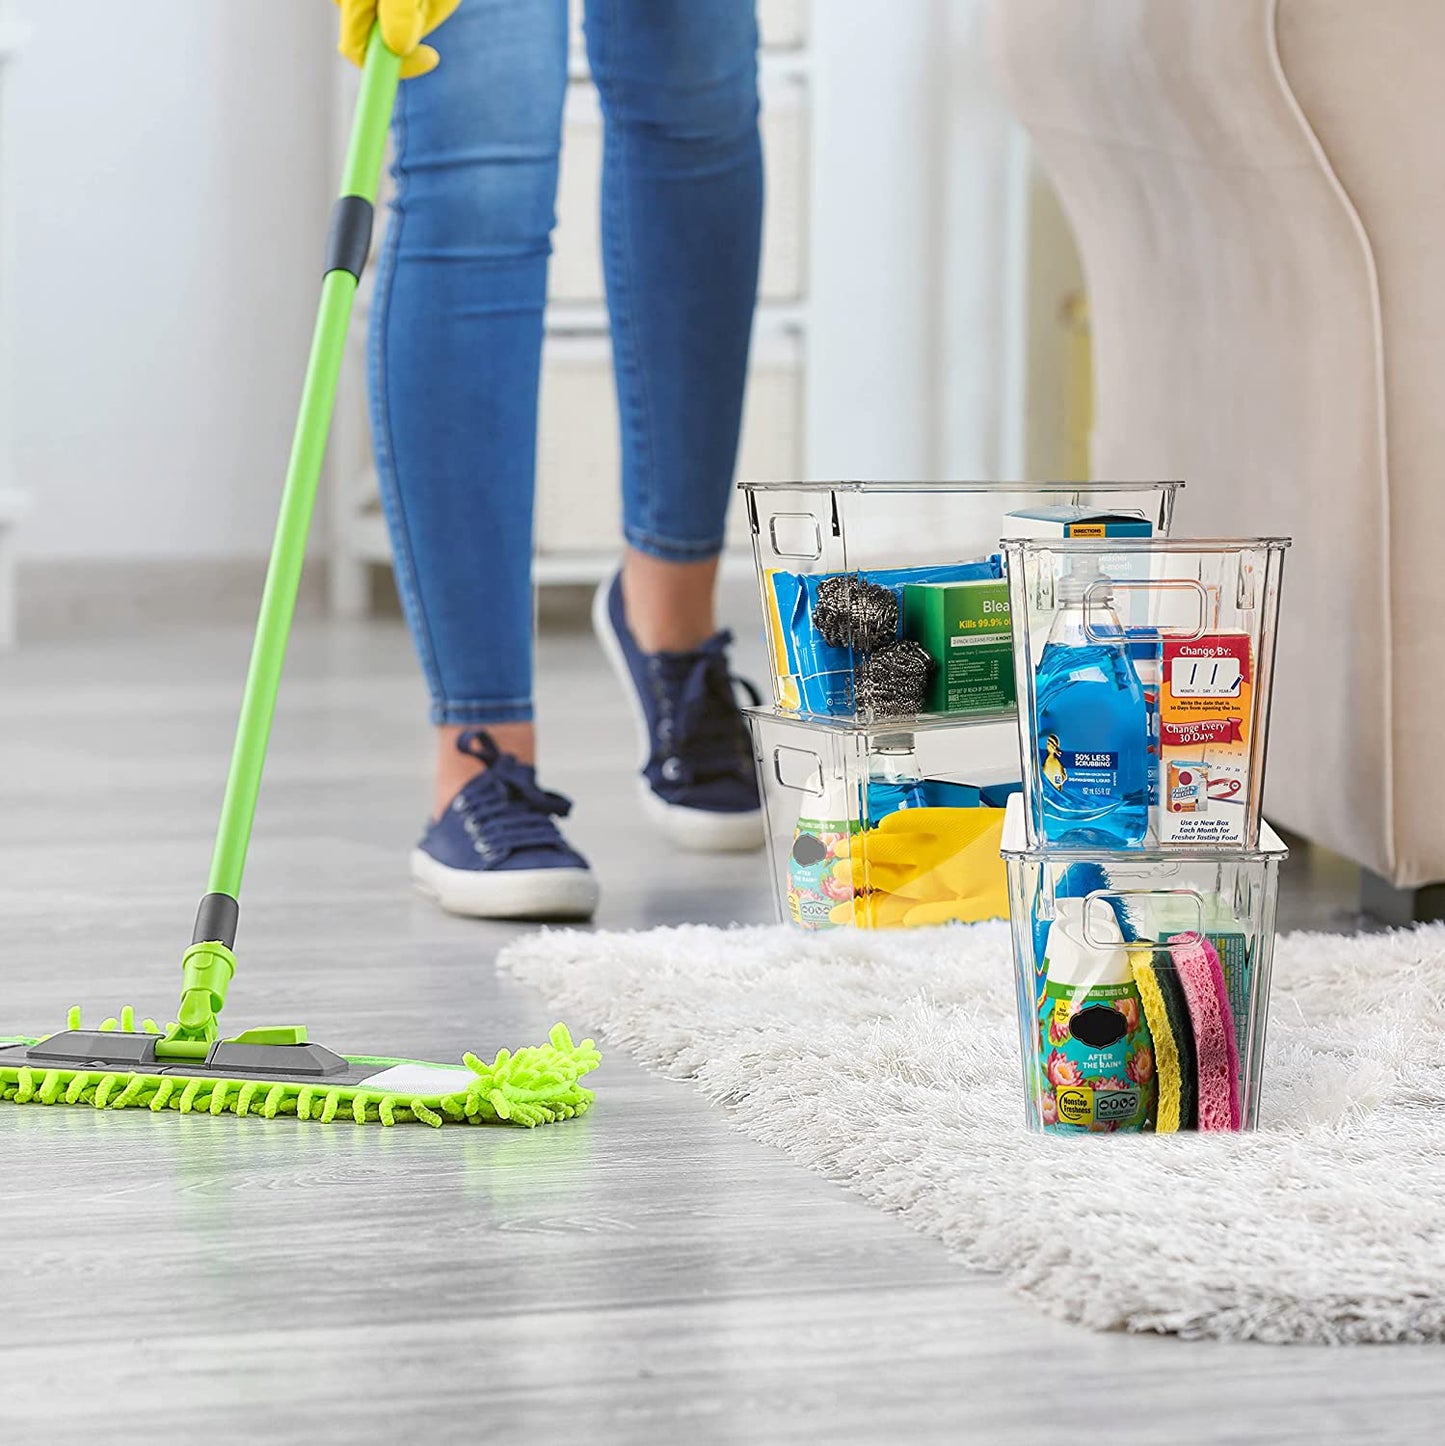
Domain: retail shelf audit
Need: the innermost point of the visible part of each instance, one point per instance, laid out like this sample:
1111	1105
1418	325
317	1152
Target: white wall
916	358
171	183
983	312
873	216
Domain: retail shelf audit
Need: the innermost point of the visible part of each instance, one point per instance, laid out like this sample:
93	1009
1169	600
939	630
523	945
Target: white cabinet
578	494
783	24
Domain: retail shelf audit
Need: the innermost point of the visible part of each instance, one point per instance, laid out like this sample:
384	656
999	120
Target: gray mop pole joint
348	239
216	921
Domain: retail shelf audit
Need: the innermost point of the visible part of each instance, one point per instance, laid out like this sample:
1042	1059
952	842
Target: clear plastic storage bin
1143	983
882	826
1144	671
835	560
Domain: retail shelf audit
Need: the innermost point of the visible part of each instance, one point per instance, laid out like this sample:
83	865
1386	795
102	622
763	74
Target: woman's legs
455	356
682	194
669	604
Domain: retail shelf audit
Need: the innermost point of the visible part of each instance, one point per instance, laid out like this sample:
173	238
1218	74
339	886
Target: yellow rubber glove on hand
403	24
872	911
925	866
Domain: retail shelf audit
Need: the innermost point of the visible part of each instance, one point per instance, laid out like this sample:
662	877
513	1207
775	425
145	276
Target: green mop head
277	1072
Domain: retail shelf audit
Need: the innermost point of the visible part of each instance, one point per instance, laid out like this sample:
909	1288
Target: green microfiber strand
538	1085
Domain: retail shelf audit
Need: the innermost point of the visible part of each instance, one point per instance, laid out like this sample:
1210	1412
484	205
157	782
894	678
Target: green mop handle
209	963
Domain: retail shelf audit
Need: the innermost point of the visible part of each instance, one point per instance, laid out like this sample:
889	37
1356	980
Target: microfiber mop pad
1166	1010
1202	976
116	1067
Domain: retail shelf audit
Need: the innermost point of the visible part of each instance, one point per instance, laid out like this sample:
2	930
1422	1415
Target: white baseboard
84	596
93	596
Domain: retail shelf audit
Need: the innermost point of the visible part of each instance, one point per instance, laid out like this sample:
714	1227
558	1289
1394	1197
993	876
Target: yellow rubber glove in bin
404	23
925	866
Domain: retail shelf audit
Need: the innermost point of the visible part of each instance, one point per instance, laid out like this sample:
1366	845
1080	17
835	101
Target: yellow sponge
1166	1010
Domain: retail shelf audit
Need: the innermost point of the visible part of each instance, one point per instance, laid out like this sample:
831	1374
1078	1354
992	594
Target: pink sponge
1202	976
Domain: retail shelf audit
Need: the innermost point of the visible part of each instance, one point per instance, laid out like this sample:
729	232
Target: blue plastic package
888	797
823	673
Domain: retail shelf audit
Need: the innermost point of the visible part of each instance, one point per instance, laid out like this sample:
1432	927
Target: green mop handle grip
209	964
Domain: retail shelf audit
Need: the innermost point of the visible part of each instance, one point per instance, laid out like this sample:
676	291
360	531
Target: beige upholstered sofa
1258	192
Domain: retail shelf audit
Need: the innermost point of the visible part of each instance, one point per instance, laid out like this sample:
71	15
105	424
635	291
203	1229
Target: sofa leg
1400	907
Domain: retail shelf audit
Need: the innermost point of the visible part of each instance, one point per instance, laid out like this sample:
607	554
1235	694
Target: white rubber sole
702	831
509	894
698	830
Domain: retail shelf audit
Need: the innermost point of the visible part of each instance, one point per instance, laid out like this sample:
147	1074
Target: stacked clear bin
881	814
888	824
1157	895
1142	878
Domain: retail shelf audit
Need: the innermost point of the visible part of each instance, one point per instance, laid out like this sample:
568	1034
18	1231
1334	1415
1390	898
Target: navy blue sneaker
700	786
495	853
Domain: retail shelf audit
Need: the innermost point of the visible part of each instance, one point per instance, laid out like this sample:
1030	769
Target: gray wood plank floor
643	1275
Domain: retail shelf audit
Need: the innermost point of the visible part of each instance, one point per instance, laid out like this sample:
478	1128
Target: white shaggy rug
889	1062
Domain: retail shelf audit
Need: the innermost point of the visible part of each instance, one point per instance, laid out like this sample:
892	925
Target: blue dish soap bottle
1093	733
895	780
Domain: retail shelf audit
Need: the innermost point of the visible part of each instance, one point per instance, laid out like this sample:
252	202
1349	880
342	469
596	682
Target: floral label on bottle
1096	1059
814	886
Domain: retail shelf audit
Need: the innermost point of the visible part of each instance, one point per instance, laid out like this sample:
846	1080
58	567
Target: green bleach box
964	628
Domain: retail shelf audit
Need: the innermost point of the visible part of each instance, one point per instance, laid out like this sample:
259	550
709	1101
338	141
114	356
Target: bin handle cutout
1156	871
1102	898
796	535
810	780
1105	588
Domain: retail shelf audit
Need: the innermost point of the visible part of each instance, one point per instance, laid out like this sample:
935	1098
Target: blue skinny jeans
456	331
